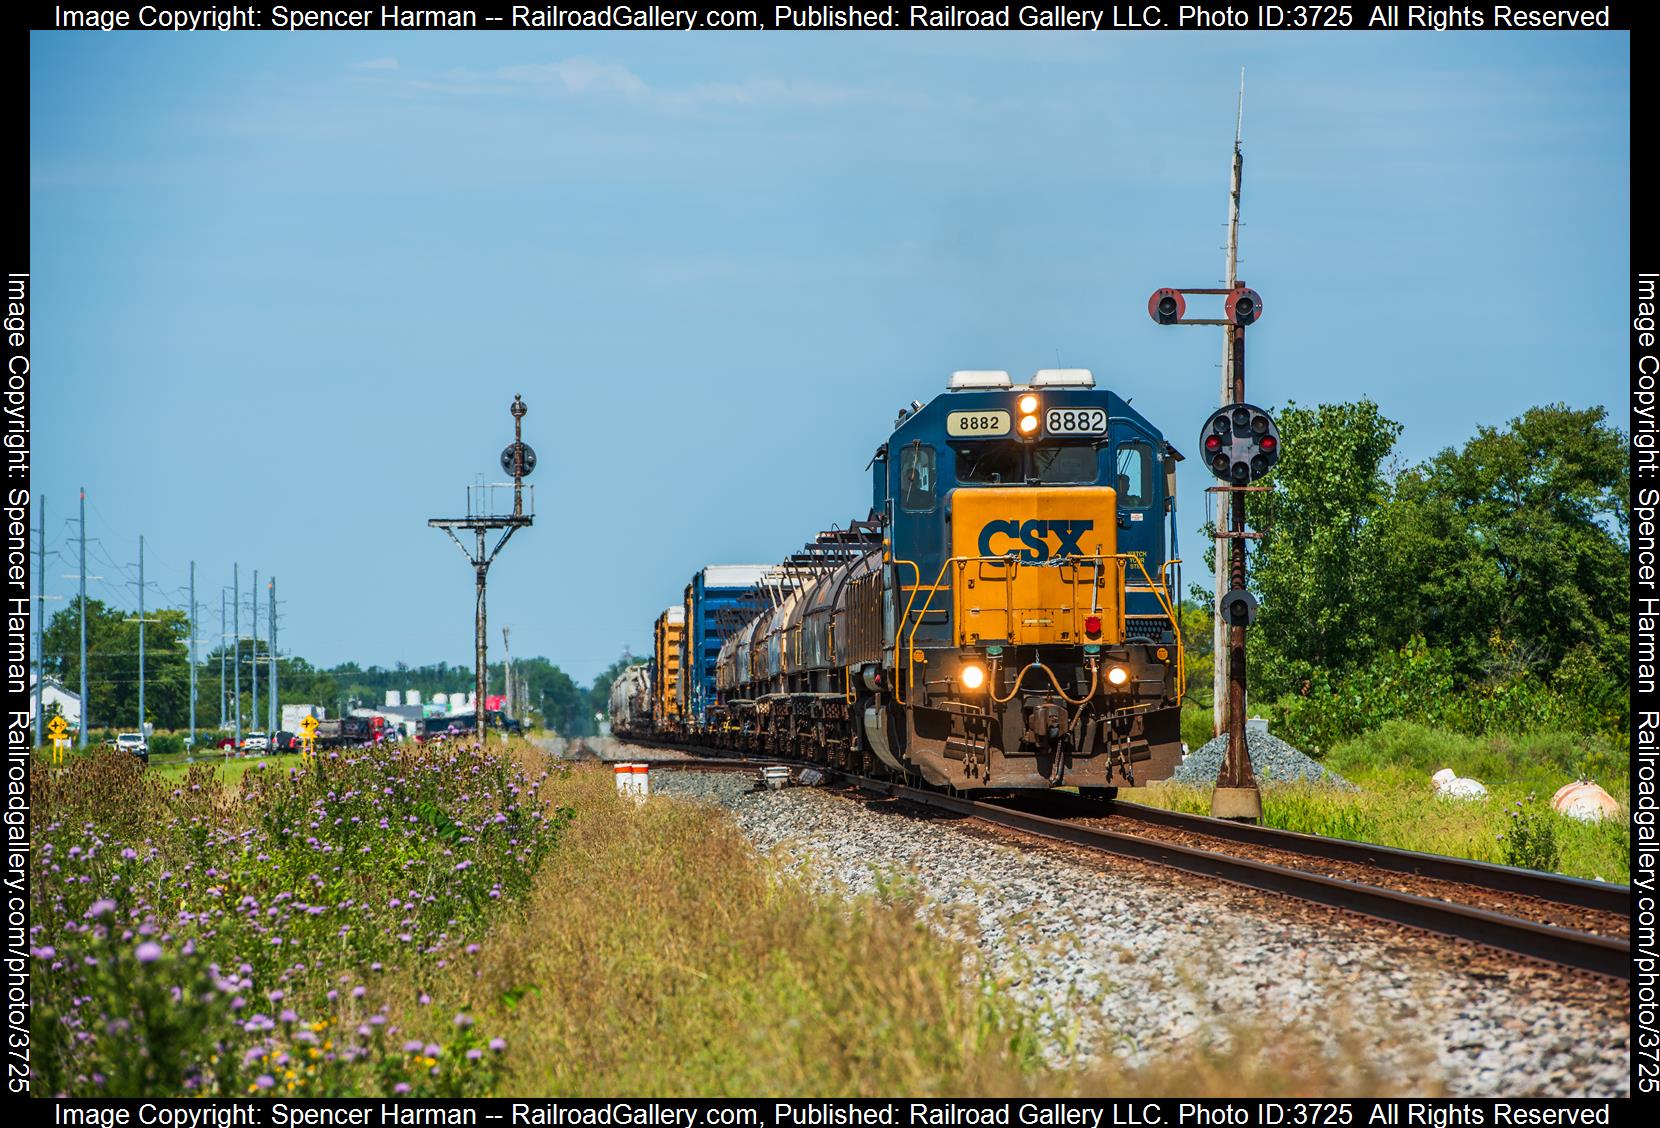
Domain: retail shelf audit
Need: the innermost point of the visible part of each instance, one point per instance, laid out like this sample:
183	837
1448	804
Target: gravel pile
1272	759
1153	962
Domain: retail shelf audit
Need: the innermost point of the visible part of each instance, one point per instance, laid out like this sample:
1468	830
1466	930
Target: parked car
285	742
135	743
256	742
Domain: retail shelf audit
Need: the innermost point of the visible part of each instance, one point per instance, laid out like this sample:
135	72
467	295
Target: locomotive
1002	620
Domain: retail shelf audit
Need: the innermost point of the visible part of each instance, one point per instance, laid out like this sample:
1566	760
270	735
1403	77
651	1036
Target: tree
1533	523
1313	568
112	663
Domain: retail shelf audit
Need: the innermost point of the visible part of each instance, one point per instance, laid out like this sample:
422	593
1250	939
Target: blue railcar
719	600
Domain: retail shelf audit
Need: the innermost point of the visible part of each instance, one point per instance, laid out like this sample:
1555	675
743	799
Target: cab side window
918	482
1134	480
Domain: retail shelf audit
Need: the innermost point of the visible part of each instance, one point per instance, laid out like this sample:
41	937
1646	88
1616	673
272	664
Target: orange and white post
633	780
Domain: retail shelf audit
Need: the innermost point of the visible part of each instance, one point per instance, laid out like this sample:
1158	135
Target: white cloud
384	63
580	76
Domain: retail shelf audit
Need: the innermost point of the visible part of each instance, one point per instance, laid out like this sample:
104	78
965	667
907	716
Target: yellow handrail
1157	588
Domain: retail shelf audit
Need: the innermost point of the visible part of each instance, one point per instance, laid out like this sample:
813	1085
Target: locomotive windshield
1015	464
994	463
1070	464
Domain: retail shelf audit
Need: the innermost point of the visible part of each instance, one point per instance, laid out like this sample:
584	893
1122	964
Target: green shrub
1196	726
1427	685
166	744
1531	839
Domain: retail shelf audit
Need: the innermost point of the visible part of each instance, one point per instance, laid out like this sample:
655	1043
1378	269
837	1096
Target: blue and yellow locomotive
1003	620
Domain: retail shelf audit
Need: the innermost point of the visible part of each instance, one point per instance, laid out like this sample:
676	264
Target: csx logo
1035	536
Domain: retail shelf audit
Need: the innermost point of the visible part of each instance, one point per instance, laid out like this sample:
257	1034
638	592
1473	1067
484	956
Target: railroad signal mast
1240	444
518	459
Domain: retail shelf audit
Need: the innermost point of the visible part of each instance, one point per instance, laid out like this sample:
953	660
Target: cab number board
974	424
1075	421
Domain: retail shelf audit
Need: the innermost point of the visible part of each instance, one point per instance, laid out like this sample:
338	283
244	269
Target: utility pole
224	684
190	749
271	617
1224	543
141	633
507	676
236	656
141	620
253	656
518	460
86	703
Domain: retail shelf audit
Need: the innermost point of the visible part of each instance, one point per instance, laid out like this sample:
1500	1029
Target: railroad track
1169	838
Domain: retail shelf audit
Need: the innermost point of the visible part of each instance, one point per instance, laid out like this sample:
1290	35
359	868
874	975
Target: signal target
1240	443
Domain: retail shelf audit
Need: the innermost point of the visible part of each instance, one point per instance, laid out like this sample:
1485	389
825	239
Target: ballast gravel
1272	759
1149	961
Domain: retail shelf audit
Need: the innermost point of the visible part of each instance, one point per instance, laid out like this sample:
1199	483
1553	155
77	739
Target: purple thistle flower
498	1044
148	952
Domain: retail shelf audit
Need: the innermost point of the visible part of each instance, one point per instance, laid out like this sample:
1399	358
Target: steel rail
1579	892
1584	951
1603	955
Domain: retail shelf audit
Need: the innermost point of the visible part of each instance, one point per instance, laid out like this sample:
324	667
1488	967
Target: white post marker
642	782
624	774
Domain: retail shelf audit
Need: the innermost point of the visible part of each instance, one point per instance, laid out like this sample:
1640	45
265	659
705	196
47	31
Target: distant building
68	703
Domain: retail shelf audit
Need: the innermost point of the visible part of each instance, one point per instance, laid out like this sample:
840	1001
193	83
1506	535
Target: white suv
256	742
135	743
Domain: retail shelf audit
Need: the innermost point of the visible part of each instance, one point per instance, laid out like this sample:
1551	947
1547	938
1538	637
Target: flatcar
1003	619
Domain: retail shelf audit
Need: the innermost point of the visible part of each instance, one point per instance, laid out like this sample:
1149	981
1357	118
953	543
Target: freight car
1003	619
631	699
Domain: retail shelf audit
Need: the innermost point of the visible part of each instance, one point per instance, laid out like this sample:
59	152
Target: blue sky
286	285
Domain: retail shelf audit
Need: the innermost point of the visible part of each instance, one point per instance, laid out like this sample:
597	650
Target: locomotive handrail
1155	587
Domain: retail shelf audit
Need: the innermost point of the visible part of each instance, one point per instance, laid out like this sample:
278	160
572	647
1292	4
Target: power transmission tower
253	655
141	620
236	656
190	749
40	631
86	702
271	617
224	683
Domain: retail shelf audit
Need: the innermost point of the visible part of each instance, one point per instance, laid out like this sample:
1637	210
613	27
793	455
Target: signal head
1239	608
1244	306
1241	443
1166	306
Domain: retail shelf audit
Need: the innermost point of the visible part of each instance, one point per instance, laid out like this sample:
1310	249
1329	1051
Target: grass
453	923
660	956
1396	804
195	939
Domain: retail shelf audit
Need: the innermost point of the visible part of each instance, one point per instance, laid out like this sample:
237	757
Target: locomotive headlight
972	676
1028	424
1118	675
1028	404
